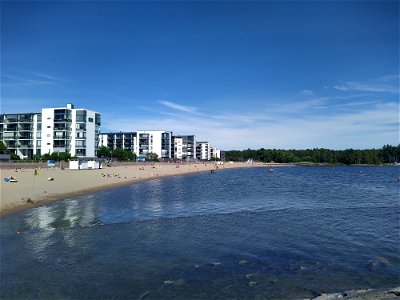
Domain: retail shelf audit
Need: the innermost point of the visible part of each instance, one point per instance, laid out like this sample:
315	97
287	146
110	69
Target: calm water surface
245	233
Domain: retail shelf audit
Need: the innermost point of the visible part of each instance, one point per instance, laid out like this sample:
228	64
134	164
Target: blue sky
273	74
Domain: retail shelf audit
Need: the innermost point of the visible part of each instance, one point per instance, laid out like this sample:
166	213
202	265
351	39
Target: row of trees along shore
386	155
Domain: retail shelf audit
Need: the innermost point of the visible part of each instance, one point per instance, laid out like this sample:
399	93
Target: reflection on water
42	219
43	222
293	233
69	213
155	195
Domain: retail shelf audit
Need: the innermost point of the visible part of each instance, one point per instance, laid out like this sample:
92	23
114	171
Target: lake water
240	233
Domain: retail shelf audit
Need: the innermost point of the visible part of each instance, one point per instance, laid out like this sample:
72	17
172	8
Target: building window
91	120
80	152
58	134
97	120
80	143
63	115
81	116
81	135
80	126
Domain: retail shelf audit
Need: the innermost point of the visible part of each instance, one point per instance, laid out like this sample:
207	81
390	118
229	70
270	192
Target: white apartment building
203	151
66	129
215	153
140	142
153	141
21	133
114	140
184	147
72	130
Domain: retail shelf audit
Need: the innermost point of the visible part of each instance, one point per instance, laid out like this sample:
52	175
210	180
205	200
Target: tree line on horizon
386	155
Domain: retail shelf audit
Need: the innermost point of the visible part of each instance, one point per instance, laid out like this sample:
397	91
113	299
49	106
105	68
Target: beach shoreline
32	190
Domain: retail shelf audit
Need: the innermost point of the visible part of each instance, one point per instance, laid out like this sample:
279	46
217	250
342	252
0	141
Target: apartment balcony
25	128
10	120
25	145
7	136
25	120
62	137
61	149
62	128
25	136
10	128
62	119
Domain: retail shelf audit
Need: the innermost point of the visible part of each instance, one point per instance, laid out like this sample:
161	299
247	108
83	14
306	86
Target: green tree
390	154
130	155
151	156
119	154
46	156
37	157
103	152
14	156
3	148
64	156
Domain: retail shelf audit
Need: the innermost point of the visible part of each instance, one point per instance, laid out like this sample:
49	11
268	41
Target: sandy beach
32	190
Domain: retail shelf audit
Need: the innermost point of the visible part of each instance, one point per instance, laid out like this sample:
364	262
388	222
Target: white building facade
203	151
21	133
215	153
66	129
115	140
71	130
153	141
184	147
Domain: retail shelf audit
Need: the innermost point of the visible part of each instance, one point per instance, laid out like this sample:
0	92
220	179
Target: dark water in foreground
244	233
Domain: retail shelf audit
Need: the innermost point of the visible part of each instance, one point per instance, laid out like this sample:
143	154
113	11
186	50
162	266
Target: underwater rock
252	283
144	295
179	282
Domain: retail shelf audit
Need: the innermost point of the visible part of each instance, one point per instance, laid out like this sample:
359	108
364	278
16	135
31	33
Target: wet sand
35	190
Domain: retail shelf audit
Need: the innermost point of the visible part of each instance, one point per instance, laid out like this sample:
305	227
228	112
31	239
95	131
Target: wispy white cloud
372	126
29	78
176	106
385	84
307	92
47	76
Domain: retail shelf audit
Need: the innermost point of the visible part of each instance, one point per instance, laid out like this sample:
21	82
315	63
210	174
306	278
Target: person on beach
10	179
